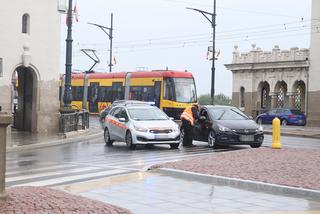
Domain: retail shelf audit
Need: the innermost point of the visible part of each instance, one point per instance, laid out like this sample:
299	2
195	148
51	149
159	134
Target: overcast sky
155	34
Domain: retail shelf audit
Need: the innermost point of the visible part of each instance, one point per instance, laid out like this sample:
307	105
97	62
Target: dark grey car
226	125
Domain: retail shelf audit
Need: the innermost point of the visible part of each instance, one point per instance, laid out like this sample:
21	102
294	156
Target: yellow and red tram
171	91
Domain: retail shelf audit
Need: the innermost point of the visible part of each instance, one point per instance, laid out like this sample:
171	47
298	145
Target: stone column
291	96
273	100
5	121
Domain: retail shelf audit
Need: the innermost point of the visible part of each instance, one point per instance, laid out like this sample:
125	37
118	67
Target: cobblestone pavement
289	167
37	200
155	193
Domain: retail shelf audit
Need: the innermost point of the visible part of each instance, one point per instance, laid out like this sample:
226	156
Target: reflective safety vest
187	115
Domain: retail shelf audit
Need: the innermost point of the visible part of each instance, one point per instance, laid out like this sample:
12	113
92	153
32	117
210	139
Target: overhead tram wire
192	37
206	43
237	36
234	9
200	44
220	38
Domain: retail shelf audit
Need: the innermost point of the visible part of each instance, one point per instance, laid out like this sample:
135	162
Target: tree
219	99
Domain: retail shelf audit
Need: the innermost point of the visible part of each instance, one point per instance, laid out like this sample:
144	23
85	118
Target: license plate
246	138
161	137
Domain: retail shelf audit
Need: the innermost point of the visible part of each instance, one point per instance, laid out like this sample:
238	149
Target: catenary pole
109	32
213	25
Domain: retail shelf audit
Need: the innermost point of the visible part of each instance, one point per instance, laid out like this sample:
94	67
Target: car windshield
227	114
145	114
185	90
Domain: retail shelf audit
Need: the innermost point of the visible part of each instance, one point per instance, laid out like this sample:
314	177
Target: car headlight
224	129
140	129
260	129
175	129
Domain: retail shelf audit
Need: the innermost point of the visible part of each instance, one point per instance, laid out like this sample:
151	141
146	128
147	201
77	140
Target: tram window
143	93
117	91
105	94
148	94
135	93
168	89
77	93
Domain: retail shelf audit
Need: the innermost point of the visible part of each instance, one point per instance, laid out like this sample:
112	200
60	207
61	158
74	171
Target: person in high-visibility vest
188	118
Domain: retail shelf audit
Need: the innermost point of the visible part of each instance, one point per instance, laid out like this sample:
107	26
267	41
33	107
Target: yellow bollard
276	134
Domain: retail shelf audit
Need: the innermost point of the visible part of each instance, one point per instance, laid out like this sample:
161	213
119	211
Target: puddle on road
105	182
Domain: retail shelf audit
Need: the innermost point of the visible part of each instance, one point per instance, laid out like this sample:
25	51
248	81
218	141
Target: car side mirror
171	118
250	117
122	120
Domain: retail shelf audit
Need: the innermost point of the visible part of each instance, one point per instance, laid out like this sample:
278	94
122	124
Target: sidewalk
296	131
285	169
21	141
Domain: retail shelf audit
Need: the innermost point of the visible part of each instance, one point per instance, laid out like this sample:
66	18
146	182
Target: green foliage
219	99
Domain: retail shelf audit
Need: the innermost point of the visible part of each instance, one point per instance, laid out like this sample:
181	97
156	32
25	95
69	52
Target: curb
69	139
293	135
240	183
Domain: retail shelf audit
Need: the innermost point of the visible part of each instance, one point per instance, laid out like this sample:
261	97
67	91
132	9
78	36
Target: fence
74	121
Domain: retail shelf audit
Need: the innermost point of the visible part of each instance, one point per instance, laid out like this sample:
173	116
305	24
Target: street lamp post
67	98
109	32
213	25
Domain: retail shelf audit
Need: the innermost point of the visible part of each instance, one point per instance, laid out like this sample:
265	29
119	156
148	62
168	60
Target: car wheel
129	143
256	145
174	145
284	122
107	139
259	121
181	135
212	140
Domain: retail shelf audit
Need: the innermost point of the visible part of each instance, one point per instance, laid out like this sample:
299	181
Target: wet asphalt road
89	160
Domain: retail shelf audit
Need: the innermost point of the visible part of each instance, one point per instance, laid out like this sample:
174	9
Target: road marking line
25	177
57	181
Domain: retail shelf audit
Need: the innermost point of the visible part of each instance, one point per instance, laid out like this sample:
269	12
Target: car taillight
293	116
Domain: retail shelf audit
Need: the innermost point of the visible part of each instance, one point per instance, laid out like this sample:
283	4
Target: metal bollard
5	121
276	134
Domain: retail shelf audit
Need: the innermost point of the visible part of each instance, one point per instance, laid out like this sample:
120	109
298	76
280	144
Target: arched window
299	98
242	90
282	94
26	23
264	97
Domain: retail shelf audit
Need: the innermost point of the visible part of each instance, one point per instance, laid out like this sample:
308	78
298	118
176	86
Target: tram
171	91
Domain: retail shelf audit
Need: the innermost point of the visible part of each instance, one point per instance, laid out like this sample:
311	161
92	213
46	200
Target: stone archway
25	84
264	98
281	90
299	90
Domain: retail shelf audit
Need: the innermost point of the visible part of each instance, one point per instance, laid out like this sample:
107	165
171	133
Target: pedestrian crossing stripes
33	172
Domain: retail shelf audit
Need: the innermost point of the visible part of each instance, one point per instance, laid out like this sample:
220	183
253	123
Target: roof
137	74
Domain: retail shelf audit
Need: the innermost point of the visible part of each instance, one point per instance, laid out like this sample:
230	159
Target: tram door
117	91
157	93
93	97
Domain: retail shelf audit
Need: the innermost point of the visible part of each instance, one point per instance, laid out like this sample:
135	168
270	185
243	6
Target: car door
112	122
121	127
271	115
201	126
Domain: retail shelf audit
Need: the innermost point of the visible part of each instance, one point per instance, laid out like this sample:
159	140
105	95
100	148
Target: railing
74	121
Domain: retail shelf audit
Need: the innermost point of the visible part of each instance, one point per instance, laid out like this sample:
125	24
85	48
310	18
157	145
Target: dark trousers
188	133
